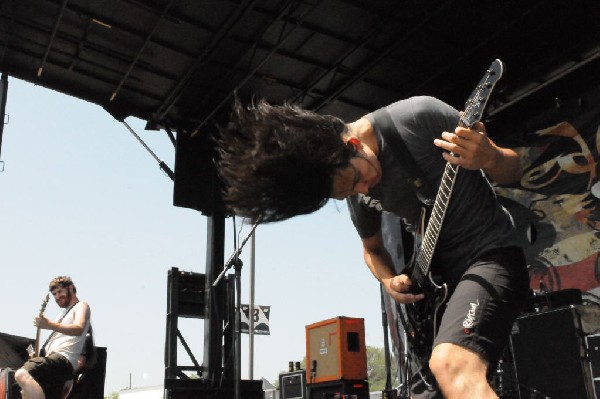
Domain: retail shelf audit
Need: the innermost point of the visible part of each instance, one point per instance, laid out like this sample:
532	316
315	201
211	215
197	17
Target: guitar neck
473	111
438	212
436	219
38	334
37	341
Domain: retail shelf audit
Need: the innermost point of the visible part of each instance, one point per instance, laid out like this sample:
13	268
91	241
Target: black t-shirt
474	223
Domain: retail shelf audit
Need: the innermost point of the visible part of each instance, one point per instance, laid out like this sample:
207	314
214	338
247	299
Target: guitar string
450	172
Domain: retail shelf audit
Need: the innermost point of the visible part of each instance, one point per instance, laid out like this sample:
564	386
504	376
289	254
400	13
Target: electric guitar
35	352
421	318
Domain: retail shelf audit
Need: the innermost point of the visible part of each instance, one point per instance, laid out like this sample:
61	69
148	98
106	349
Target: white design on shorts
470	319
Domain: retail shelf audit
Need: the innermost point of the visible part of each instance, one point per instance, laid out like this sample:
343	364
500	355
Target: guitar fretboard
438	212
472	114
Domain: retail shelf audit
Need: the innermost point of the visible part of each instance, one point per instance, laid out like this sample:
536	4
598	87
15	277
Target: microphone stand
237	367
388	392
233	258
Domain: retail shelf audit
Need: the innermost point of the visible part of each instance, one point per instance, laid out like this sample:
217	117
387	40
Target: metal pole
214	300
238	335
251	310
3	96
386	346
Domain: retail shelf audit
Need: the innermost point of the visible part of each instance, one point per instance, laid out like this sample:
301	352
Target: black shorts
487	300
51	372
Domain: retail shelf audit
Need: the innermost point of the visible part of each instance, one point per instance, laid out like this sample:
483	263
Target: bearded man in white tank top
50	376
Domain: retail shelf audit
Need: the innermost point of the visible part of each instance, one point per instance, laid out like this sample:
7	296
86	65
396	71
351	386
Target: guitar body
421	319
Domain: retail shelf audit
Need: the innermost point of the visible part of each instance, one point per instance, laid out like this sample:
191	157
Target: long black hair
279	161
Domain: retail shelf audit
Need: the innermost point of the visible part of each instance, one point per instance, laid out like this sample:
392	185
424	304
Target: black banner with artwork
556	204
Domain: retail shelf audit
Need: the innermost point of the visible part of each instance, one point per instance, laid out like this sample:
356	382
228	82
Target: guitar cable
409	358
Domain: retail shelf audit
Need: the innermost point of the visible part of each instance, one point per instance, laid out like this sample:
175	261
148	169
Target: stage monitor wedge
550	356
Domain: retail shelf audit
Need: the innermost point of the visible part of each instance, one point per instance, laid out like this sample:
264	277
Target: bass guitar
35	352
421	318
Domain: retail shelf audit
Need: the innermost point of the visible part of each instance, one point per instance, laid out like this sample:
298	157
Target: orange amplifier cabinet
337	348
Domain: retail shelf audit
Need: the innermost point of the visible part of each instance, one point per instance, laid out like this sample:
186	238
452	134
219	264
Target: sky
80	196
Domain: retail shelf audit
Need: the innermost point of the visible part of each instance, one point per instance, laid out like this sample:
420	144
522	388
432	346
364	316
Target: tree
376	370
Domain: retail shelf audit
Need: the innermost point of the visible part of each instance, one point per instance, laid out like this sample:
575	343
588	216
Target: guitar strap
414	176
42	348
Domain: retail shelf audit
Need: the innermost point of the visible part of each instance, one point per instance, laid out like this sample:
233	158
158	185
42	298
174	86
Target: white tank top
68	346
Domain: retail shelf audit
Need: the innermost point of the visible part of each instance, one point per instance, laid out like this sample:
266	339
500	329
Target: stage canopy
177	63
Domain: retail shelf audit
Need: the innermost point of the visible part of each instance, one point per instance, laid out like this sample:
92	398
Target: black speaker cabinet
593	345
91	382
197	184
199	388
351	389
550	355
292	385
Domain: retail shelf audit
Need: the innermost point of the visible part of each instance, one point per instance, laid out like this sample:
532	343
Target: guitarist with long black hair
49	375
281	161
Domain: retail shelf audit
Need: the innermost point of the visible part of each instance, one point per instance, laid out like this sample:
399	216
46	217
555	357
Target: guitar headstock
44	304
479	97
